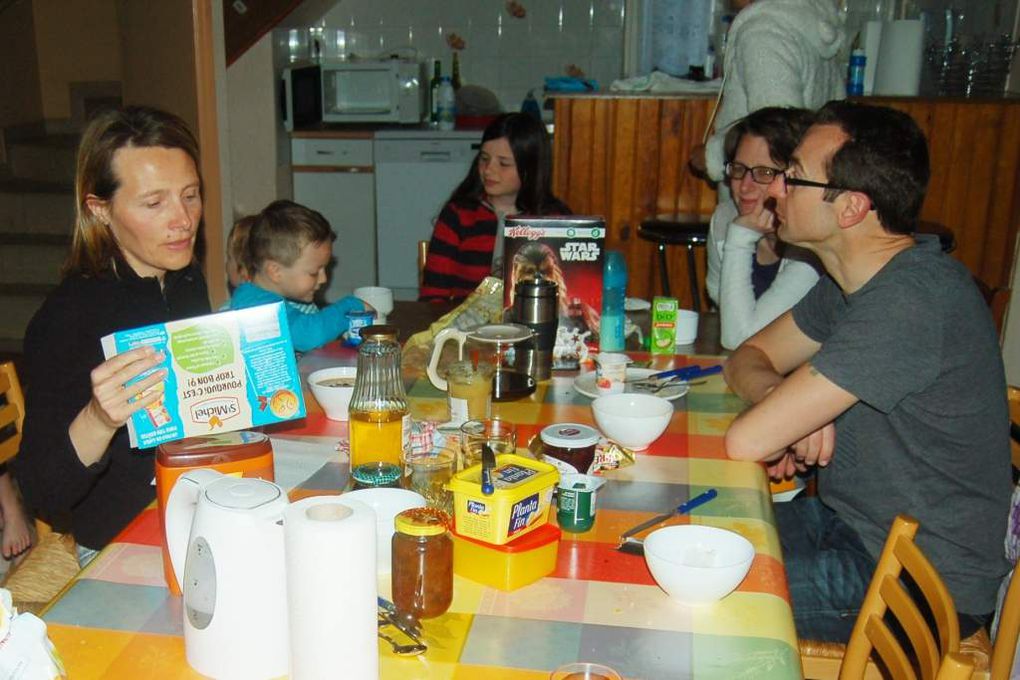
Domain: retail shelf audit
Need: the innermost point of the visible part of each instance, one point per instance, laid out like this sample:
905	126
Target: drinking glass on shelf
298	44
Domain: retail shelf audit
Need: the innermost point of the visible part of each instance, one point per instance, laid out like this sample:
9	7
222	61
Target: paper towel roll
331	589
872	39
900	57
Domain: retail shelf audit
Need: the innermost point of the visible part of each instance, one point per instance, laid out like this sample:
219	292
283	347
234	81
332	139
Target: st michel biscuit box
568	250
225	372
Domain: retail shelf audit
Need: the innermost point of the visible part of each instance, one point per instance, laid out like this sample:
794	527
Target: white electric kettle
225	535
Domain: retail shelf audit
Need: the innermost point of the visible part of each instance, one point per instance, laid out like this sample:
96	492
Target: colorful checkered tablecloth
118	620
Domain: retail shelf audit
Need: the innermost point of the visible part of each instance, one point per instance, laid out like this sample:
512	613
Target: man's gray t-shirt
930	434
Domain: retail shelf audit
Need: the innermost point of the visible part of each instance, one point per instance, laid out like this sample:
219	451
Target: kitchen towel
871	40
900	57
331	589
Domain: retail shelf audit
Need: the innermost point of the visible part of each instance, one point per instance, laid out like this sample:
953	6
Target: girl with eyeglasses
752	276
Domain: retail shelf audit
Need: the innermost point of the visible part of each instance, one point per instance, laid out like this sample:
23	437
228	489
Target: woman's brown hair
93	247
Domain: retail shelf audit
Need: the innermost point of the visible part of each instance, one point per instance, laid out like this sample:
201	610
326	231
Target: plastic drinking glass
584	671
429	474
500	435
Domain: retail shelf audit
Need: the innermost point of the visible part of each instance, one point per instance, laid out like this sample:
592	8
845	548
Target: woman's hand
113	402
761	220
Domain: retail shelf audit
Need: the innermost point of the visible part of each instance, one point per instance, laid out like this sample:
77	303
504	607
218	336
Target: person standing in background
779	53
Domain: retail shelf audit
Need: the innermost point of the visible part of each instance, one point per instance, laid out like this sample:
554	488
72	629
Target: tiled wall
503	53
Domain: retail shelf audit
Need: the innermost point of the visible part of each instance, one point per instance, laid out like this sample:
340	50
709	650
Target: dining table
117	618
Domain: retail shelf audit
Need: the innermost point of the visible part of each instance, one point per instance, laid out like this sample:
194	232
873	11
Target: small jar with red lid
570	446
422	576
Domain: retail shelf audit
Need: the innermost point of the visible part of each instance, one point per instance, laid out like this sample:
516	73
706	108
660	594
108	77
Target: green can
576	502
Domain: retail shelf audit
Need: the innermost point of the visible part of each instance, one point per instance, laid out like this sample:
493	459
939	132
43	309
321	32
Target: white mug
379	297
686	327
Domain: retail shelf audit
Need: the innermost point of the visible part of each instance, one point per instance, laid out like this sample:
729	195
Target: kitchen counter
385	132
609	94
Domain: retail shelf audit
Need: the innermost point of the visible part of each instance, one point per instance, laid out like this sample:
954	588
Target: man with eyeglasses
887	376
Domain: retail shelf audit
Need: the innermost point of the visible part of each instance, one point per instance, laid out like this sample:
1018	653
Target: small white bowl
632	420
387	504
333	400
697	564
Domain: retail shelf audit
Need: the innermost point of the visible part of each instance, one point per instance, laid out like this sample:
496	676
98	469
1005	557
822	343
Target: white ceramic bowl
333	400
698	564
387	504
633	420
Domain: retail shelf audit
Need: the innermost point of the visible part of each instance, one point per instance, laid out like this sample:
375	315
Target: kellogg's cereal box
569	251
225	372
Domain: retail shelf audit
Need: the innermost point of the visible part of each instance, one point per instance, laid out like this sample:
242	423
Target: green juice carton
225	372
663	331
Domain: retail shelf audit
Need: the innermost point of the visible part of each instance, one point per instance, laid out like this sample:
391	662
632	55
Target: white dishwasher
415	172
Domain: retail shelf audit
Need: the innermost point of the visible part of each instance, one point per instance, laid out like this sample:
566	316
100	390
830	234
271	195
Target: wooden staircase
36	222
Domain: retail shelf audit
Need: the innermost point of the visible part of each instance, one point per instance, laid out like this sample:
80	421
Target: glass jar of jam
422	576
570	447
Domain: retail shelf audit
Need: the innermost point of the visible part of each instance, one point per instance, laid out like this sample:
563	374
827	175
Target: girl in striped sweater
511	175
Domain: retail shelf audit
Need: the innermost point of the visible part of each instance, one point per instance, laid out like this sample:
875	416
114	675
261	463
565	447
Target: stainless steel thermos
536	306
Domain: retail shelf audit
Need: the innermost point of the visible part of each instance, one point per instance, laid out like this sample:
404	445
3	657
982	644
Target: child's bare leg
16	535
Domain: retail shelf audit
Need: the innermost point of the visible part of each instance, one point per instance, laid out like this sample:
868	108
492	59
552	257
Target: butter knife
488	463
681	509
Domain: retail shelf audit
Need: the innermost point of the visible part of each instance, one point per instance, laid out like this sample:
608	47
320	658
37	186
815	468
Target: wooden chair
52	561
1006	637
955	666
12	413
423	254
871	634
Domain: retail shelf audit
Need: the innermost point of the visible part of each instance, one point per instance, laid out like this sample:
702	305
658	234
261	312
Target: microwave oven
385	91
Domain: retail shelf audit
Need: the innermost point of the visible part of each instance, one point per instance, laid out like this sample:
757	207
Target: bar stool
677	229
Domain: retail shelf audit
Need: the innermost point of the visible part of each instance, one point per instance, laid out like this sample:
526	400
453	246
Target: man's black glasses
798	182
762	174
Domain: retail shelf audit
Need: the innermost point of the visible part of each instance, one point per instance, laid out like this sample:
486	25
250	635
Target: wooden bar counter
625	157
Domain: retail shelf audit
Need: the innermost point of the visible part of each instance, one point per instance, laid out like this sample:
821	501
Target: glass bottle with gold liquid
380	425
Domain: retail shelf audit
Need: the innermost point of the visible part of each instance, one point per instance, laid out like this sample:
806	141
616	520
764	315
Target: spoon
403	650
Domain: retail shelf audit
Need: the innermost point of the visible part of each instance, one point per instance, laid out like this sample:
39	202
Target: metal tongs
676	376
411	627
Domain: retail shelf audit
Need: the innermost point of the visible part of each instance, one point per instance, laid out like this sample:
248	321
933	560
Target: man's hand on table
814	449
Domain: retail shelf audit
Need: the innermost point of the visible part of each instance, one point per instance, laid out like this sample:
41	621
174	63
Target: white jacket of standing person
731	249
779	53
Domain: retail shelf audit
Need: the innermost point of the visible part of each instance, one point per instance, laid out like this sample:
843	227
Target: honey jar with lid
422	575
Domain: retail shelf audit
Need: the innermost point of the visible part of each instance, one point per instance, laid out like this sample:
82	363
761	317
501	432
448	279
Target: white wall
252	127
505	54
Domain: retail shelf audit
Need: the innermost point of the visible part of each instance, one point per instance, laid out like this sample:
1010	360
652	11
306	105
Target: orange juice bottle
379	419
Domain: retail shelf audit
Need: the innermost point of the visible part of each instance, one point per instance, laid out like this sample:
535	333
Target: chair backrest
886	593
12	413
955	667
1008	633
423	254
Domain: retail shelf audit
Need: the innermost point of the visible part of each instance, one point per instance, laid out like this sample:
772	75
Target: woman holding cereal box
138	211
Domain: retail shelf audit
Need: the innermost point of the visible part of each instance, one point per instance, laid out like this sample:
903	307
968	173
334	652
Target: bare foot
17	538
16	535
